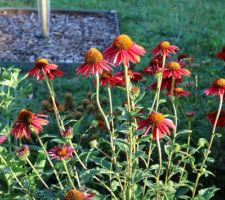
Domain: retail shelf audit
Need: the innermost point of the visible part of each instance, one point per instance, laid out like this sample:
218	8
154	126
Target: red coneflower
218	87
179	92
74	194
164	48
173	69
23	152
68	133
154	66
61	152
107	78
221	120
157	122
2	139
42	67
27	121
123	50
221	54
190	114
93	61
134	76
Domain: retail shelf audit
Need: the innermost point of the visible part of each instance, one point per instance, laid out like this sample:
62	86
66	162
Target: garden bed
72	32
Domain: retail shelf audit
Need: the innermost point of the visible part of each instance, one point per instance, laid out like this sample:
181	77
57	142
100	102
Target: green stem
37	173
68	174
209	147
14	175
160	165
56	112
127	82
50	162
160	83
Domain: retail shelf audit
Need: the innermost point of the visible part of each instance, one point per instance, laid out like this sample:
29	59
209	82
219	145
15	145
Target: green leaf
206	194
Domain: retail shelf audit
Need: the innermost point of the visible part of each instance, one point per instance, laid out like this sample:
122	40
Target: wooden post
44	16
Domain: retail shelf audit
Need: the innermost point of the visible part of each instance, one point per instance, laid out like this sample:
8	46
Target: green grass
197	26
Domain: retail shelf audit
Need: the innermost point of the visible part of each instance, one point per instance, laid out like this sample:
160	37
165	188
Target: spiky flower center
25	116
122	42
40	62
106	74
178	90
62	152
93	56
74	195
219	82
164	45
174	65
156	118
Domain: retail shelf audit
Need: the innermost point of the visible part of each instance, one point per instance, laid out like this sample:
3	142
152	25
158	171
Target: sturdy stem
160	165
57	116
29	162
50	162
209	147
160	82
14	175
68	174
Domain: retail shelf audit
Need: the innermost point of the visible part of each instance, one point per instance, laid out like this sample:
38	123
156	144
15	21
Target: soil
70	36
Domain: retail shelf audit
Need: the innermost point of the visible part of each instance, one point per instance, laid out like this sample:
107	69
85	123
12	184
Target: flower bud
23	152
67	134
202	142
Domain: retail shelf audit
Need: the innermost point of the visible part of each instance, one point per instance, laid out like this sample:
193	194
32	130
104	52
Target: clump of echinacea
164	48
123	50
42	67
74	194
217	88
93	63
158	123
221	55
3	138
23	152
61	152
26	122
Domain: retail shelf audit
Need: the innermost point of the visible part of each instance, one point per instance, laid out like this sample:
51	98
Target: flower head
157	122
74	194
179	92
93	62
221	120
173	69
190	114
42	68
107	78
2	139
123	50
154	66
221	54
27	121
61	152
23	152
218	87
68	133
164	48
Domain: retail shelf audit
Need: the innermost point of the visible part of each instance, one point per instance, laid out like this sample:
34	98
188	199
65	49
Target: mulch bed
71	35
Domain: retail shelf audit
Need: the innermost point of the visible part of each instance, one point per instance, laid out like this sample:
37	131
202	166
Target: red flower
157	122
2	139
179	92
42	67
93	61
164	48
221	54
124	50
221	120
107	78
27	121
154	66
190	114
74	194
61	152
218	87
23	152
134	76
173	69
67	134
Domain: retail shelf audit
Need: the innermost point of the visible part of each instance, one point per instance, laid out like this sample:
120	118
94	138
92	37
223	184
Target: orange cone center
122	42
93	56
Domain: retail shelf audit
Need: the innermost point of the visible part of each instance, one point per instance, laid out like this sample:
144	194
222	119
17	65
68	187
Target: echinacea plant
116	142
